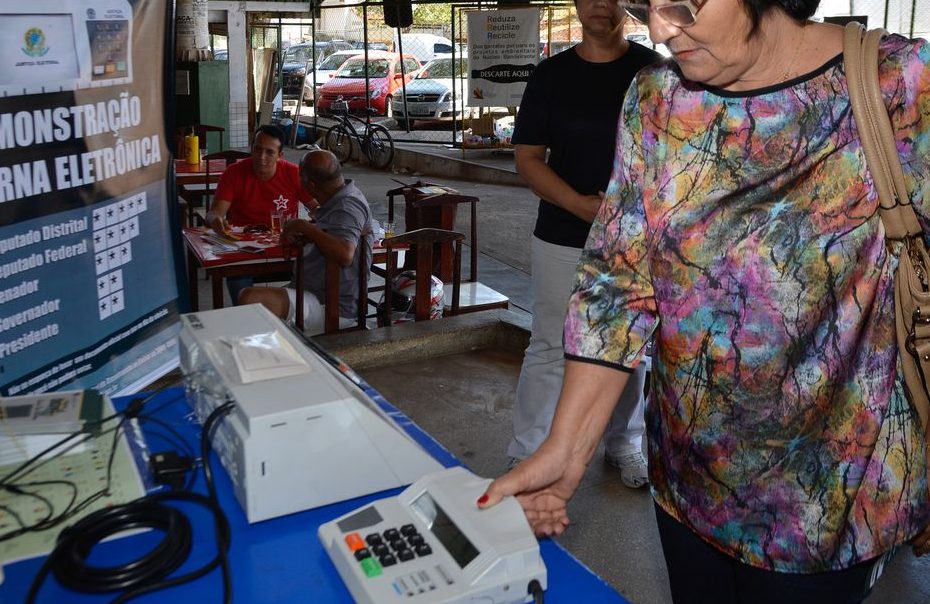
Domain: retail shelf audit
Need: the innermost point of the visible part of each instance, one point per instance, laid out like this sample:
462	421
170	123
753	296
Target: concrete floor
465	402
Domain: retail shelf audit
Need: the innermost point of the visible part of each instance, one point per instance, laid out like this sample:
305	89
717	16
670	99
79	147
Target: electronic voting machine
432	544
301	435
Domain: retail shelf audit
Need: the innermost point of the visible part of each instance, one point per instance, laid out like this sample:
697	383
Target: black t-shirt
572	106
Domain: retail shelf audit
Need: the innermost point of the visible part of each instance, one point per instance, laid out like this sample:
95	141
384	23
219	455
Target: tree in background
432	14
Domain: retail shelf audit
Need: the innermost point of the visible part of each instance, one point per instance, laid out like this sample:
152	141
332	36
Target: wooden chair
331	302
423	242
199	194
436	210
429	204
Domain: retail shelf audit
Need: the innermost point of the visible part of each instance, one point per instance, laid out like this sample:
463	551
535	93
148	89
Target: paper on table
219	244
49	413
18	448
86	471
266	356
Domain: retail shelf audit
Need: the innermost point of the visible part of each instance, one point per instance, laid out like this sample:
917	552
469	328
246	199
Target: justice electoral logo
35	43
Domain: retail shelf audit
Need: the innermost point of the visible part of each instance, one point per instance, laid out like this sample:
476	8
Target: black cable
177	440
12	513
535	589
68	561
73	507
220	520
38	526
36	458
134	408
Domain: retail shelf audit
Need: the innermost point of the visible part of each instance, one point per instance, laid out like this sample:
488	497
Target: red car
384	78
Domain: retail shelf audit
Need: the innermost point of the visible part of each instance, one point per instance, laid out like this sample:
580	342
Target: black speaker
398	13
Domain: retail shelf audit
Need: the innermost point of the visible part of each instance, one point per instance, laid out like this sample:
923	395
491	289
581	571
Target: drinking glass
277	220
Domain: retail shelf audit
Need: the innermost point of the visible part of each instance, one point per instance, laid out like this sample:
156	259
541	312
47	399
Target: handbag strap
860	59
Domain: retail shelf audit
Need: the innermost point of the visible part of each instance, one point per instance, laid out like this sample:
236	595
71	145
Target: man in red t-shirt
251	188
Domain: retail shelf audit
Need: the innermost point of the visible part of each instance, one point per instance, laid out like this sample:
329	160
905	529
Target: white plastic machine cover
302	440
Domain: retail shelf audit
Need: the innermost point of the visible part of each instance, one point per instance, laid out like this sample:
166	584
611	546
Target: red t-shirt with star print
251	200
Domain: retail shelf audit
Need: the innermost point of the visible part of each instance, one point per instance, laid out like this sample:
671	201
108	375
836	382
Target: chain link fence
910	18
424	97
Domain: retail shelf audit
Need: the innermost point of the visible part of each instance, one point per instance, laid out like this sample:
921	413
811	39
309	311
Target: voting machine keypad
396	546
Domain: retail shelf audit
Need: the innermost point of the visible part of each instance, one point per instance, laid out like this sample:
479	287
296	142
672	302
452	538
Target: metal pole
367	63
403	76
455	121
315	100
295	124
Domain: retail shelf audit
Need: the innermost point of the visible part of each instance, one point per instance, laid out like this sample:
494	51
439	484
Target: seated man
342	219
250	189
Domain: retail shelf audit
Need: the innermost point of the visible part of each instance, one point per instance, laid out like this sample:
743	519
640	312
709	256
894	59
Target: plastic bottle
192	148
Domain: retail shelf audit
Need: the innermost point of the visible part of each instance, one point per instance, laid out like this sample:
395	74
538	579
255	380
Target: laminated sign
503	49
88	290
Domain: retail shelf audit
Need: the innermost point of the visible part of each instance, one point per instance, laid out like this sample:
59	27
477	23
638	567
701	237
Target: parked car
384	78
429	95
424	47
297	59
371	46
547	49
220	54
331	64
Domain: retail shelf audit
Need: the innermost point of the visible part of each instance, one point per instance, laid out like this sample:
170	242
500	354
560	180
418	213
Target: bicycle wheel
339	141
379	146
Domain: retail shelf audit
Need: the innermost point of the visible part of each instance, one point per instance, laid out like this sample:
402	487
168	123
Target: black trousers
699	573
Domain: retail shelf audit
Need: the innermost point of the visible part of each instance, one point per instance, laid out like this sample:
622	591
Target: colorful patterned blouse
741	230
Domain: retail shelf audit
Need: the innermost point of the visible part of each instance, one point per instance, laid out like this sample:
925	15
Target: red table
193	185
269	265
186	173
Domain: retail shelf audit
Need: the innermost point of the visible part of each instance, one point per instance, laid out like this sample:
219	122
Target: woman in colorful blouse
740	229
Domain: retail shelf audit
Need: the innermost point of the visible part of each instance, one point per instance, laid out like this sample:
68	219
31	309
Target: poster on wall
503	49
88	288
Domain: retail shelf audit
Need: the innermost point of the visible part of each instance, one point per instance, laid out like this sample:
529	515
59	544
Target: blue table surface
278	560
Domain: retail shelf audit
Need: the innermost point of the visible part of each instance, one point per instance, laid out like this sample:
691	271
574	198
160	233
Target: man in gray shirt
341	220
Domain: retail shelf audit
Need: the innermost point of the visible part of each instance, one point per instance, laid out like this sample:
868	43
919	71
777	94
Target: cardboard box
483	126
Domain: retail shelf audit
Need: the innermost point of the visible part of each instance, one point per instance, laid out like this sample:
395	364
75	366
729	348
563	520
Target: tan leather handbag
903	233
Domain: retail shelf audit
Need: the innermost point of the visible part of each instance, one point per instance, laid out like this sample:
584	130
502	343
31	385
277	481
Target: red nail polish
483	499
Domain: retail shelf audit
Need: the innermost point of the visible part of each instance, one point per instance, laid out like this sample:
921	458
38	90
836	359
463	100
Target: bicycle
374	141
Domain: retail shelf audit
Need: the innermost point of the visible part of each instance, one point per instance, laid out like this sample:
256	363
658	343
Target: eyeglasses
680	13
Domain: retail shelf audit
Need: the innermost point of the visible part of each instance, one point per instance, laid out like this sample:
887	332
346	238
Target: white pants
314	313
553	268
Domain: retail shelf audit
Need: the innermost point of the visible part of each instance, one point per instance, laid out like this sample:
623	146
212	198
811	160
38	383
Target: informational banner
88	288
503	49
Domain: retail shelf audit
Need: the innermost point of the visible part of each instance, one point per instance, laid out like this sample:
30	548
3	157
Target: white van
423	46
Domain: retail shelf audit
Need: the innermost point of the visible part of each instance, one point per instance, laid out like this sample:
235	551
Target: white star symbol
281	202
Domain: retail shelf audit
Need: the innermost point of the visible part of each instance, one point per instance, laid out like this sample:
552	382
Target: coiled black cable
68	561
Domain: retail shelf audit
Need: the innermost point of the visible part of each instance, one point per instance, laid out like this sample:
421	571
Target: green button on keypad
371	566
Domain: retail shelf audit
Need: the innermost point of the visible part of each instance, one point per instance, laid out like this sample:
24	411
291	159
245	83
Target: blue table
279	560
